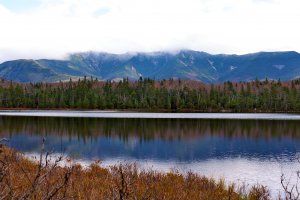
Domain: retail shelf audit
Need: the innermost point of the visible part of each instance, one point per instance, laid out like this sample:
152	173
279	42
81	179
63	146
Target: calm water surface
251	151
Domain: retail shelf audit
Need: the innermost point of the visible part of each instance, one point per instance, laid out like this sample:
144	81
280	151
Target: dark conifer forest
150	95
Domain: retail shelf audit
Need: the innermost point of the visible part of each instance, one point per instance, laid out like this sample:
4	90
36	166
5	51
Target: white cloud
56	27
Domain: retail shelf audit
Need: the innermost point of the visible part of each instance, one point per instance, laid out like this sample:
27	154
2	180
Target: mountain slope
27	71
192	65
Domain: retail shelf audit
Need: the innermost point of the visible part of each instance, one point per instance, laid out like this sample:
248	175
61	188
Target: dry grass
21	178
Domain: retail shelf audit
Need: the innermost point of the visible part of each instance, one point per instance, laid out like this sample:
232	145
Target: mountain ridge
184	64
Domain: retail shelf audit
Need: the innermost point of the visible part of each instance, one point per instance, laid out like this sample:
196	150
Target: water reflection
162	139
252	151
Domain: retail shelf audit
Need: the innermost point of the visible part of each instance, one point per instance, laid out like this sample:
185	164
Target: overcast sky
52	28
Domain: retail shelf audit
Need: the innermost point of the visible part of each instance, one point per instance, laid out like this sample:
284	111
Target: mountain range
184	64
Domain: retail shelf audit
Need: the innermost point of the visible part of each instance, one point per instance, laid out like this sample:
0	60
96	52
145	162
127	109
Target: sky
53	28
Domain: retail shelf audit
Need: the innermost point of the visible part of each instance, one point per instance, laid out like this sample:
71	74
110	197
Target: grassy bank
21	178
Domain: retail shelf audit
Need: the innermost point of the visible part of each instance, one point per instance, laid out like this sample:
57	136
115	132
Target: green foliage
147	94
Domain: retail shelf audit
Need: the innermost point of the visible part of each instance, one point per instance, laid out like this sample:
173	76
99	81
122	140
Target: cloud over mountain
50	28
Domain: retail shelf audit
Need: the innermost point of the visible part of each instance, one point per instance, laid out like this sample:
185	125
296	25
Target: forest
154	95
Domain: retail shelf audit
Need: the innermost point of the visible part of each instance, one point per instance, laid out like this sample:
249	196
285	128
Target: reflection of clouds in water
132	142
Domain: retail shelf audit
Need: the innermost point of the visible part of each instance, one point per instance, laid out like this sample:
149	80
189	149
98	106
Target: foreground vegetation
146	94
45	178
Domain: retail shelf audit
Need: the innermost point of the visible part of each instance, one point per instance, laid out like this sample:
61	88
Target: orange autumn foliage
45	178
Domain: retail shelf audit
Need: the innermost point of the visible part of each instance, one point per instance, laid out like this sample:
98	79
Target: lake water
253	150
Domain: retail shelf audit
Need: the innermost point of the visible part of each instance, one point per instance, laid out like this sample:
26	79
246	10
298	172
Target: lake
256	149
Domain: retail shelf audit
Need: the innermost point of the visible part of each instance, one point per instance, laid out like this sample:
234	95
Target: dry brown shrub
21	178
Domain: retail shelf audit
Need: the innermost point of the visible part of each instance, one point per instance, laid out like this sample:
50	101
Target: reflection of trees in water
147	129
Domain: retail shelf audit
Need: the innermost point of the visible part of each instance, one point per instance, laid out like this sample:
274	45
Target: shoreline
152	110
148	115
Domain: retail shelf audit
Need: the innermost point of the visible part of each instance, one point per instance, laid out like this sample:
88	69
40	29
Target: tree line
147	94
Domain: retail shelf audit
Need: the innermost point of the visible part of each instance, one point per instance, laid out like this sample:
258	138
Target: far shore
146	115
